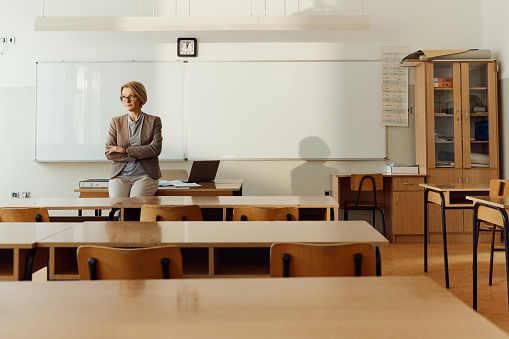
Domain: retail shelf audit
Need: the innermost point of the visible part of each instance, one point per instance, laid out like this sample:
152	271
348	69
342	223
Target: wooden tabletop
384	173
502	202
368	307
216	185
62	203
232	201
457	187
27	234
214	234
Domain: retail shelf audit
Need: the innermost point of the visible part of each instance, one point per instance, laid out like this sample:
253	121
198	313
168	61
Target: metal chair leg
491	254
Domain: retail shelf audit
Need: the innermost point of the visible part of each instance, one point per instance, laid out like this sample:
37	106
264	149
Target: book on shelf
94	183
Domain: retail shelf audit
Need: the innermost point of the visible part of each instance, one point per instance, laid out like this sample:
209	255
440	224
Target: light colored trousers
120	187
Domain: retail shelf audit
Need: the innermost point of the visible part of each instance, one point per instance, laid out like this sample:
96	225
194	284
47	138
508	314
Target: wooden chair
171	213
28	214
23	214
265	214
498	188
366	183
307	260
107	263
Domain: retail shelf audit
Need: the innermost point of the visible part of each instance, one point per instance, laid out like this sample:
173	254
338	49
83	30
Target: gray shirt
134	169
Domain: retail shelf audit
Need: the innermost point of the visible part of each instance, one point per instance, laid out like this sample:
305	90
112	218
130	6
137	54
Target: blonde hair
138	89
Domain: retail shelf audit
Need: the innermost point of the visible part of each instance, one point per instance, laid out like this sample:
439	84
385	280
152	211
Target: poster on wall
394	86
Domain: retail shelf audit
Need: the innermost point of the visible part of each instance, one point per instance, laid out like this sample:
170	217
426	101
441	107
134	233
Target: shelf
444	142
6	264
444	115
478	88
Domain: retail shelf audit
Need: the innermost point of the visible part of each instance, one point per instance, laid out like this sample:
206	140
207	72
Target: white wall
393	23
495	29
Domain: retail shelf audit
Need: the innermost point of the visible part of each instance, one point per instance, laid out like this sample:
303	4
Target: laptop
203	170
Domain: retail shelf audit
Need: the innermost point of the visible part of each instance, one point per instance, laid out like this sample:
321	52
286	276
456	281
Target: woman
134	143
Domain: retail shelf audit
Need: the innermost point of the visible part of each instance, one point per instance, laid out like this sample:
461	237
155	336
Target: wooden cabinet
456	128
407	209
403	201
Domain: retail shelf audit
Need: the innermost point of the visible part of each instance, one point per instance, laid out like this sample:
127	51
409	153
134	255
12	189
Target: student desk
209	248
211	188
221	207
18	247
448	196
402	199
366	307
63	204
494	210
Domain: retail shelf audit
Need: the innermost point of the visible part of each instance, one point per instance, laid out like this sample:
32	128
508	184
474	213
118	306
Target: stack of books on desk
94	183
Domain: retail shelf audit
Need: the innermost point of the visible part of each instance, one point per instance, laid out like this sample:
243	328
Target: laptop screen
203	170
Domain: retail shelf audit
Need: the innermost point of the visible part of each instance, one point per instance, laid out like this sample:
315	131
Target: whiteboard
76	101
285	110
217	110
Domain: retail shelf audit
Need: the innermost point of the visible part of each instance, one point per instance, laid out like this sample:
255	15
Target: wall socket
11	40
3	40
25	194
326	192
14	194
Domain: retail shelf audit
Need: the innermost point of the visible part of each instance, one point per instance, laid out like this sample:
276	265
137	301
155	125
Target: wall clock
187	47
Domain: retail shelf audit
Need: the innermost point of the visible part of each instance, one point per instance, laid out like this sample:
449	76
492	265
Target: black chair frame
373	208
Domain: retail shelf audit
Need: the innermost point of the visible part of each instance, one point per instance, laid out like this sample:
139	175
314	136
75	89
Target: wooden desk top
63	203
232	201
216	185
368	307
502	202
385	174
457	187
214	233
27	234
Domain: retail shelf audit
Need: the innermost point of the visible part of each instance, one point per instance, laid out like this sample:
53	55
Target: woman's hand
114	149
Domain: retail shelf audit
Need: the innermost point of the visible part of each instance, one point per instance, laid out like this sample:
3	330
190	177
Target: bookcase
456	131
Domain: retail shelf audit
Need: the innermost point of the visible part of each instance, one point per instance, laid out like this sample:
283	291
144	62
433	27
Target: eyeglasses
131	97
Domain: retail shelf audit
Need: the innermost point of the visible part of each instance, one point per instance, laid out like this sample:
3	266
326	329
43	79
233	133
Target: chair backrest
499	188
170	213
265	214
174	174
307	260
107	263
367	183
23	214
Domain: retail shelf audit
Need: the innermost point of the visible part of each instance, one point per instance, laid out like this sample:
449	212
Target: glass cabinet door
446	113
475	115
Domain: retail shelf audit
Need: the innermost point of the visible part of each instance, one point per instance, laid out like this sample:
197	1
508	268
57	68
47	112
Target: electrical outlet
25	194
14	194
11	40
326	193
3	40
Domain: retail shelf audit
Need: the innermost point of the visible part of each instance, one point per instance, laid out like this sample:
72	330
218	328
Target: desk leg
474	259
426	230
378	259
506	238
444	239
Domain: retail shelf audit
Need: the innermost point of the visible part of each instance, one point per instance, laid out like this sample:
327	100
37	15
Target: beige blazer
119	136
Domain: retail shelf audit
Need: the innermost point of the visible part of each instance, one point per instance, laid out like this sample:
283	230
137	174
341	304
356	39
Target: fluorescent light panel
203	23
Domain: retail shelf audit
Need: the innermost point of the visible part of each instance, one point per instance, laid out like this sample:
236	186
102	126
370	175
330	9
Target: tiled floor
408	259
